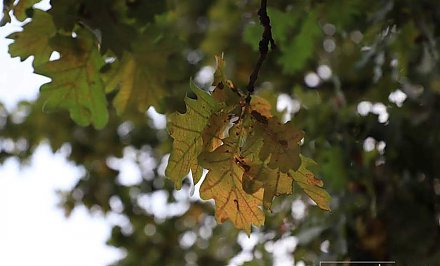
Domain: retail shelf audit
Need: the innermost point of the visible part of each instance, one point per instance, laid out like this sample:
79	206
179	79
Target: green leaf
34	39
76	84
301	48
308	98
252	35
311	185
139	75
7	7
21	6
187	131
281	22
223	183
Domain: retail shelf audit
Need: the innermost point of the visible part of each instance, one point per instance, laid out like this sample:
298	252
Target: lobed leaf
187	130
311	185
76	84
223	183
21	6
34	39
138	76
280	144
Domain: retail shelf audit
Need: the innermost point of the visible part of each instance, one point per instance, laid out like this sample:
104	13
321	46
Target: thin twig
266	38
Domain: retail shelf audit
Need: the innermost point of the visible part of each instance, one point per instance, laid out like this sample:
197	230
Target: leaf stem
266	38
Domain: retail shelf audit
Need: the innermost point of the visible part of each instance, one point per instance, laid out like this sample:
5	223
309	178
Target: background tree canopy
360	78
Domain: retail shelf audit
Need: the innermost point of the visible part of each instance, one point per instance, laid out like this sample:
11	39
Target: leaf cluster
250	155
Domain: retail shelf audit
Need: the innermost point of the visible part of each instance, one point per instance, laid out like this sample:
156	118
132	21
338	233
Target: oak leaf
187	131
311	185
280	143
223	183
34	39
76	84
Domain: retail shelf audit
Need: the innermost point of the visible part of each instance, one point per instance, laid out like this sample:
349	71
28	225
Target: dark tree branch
266	38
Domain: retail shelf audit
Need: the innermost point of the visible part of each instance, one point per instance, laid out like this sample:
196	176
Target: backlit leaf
76	84
214	131
137	77
21	6
187	131
273	181
34	39
224	91
223	183
311	185
281	143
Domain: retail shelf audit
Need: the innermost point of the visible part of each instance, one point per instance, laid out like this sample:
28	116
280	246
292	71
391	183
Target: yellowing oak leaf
76	84
136	85
138	77
215	130
311	185
280	142
261	106
223	183
224	91
34	39
273	181
187	131
257	174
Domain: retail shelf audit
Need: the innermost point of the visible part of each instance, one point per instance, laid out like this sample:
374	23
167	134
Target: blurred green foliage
341	62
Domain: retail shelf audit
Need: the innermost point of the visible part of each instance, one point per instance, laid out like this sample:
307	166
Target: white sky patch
205	75
287	104
369	144
54	56
379	109
298	209
397	97
311	79
159	120
282	251
247	244
324	72
130	173
364	108
43	5
32	224
195	188
156	204
17	81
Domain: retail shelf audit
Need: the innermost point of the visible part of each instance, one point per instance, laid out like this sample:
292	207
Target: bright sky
33	230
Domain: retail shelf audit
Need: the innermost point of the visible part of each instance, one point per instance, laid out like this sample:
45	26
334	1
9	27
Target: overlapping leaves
251	157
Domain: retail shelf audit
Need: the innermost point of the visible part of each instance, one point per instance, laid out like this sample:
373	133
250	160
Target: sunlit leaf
223	183
280	142
224	91
311	185
138	75
273	181
76	84
187	131
34	39
215	130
